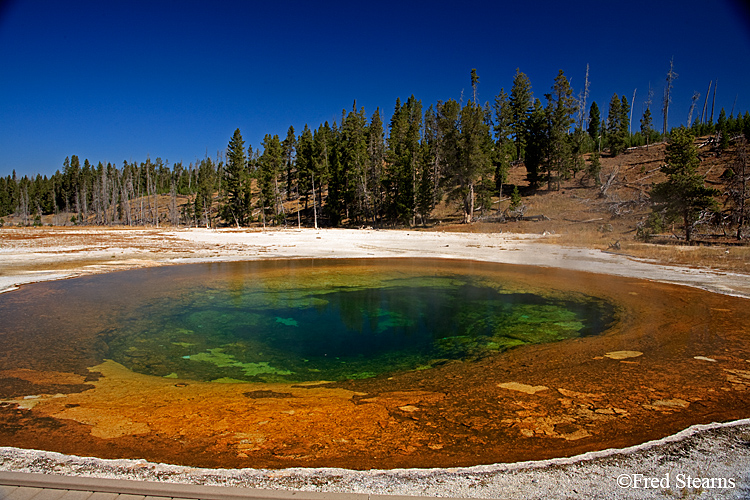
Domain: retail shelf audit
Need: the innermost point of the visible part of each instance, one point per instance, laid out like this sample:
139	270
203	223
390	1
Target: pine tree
474	162
404	157
595	168
577	148
684	194
722	131
561	107
336	177
536	149
305	164
324	141
594	128
269	168
205	186
615	139
355	192
624	123
234	208
425	188
521	106
288	147
647	126
375	164
504	149
447	122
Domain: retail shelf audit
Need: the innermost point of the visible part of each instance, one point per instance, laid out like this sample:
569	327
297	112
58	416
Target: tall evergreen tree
404	157
521	107
375	165
625	122
504	149
474	165
288	147
447	134
206	185
305	163
561	106
269	168
538	140
335	202
352	178
594	128
616	126
324	141
234	208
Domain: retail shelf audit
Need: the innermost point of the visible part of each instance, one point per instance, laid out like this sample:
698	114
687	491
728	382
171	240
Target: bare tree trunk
315	203
583	97
113	205
156	207
78	205
671	76
140	198
84	196
23	206
296	188
713	104
632	107
174	215
705	103
127	192
278	202
469	205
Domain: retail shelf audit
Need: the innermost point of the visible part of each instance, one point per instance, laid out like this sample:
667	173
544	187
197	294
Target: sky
116	81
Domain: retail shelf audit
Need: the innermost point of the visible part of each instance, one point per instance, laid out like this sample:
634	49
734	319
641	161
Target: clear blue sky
119	80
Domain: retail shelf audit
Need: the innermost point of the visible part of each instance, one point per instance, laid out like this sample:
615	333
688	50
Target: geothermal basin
363	363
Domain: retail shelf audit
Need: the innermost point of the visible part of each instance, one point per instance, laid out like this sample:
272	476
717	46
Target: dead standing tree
582	98
705	103
671	77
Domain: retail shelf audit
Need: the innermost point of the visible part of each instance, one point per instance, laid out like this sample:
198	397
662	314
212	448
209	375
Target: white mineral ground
720	451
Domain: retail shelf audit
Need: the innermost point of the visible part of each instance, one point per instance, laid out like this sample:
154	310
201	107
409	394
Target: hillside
579	214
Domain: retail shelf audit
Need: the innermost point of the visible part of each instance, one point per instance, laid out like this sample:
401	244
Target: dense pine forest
352	173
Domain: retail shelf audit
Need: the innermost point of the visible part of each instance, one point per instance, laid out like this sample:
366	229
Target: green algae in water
342	332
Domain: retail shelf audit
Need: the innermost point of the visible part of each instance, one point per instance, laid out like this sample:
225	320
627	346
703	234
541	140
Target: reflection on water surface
247	328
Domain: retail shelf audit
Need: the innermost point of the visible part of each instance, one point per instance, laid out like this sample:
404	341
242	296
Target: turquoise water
319	325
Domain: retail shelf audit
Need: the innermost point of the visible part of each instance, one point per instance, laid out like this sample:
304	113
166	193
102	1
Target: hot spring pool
327	323
363	363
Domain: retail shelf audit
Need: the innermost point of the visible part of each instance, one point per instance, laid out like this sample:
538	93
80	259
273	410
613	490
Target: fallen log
583	221
535	218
